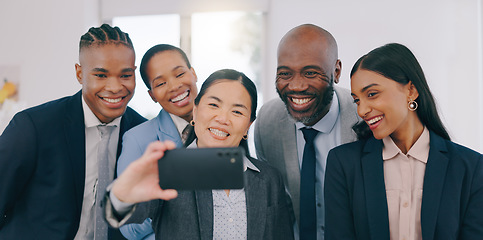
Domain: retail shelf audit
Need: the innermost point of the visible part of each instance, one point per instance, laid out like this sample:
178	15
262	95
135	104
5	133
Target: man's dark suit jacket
42	169
355	195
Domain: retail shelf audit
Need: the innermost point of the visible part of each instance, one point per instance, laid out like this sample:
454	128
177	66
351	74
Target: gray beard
326	100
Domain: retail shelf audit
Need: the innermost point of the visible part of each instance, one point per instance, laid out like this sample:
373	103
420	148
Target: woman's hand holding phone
140	181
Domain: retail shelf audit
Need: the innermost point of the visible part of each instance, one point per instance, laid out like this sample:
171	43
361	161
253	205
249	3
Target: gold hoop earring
412	105
245	137
192	123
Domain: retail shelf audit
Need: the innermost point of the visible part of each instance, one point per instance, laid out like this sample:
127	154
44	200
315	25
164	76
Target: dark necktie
103	179
187	135
308	214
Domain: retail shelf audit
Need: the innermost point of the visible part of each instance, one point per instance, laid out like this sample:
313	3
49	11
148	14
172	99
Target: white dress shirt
93	137
179	123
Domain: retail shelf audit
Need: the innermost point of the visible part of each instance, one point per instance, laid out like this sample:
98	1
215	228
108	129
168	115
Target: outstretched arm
140	181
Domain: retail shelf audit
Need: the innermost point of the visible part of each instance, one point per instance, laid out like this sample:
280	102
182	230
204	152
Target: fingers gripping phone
202	168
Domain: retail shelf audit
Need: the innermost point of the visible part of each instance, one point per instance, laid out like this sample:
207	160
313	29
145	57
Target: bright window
218	40
226	40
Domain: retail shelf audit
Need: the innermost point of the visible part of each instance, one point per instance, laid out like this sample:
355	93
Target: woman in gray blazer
224	110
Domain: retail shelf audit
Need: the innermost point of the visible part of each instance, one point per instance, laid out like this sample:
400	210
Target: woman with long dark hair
404	178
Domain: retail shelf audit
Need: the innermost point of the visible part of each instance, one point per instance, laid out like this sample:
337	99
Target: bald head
310	35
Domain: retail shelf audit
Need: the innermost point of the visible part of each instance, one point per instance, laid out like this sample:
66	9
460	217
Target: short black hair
105	34
396	62
155	50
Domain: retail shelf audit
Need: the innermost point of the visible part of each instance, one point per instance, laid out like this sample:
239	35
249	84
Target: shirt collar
419	151
327	123
90	119
178	122
246	162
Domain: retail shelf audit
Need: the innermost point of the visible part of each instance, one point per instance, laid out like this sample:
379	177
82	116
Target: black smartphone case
201	168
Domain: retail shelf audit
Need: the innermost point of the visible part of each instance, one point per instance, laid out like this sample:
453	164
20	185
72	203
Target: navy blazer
42	169
355	195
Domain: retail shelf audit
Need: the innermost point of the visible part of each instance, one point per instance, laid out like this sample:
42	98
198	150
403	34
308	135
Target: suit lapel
204	205
375	189
126	123
74	130
348	115
434	179
167	128
289	142
256	205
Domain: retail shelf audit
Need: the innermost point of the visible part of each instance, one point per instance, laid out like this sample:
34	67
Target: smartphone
202	168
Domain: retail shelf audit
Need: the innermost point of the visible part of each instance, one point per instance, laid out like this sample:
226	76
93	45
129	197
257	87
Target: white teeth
300	101
374	120
112	100
180	97
218	132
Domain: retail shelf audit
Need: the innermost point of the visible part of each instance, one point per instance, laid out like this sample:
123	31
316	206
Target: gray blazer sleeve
137	214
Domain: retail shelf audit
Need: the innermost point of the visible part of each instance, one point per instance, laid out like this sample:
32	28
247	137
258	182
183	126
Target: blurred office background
39	44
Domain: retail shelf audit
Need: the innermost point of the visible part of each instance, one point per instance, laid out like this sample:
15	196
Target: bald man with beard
308	67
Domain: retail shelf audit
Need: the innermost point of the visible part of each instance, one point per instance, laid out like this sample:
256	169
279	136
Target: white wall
445	35
42	37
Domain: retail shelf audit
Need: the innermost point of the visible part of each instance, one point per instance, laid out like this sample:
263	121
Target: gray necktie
103	179
186	132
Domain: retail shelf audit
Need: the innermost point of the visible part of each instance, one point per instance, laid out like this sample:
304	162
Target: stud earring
412	105
192	123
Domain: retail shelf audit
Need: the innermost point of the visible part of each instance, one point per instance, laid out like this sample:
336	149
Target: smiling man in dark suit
50	154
